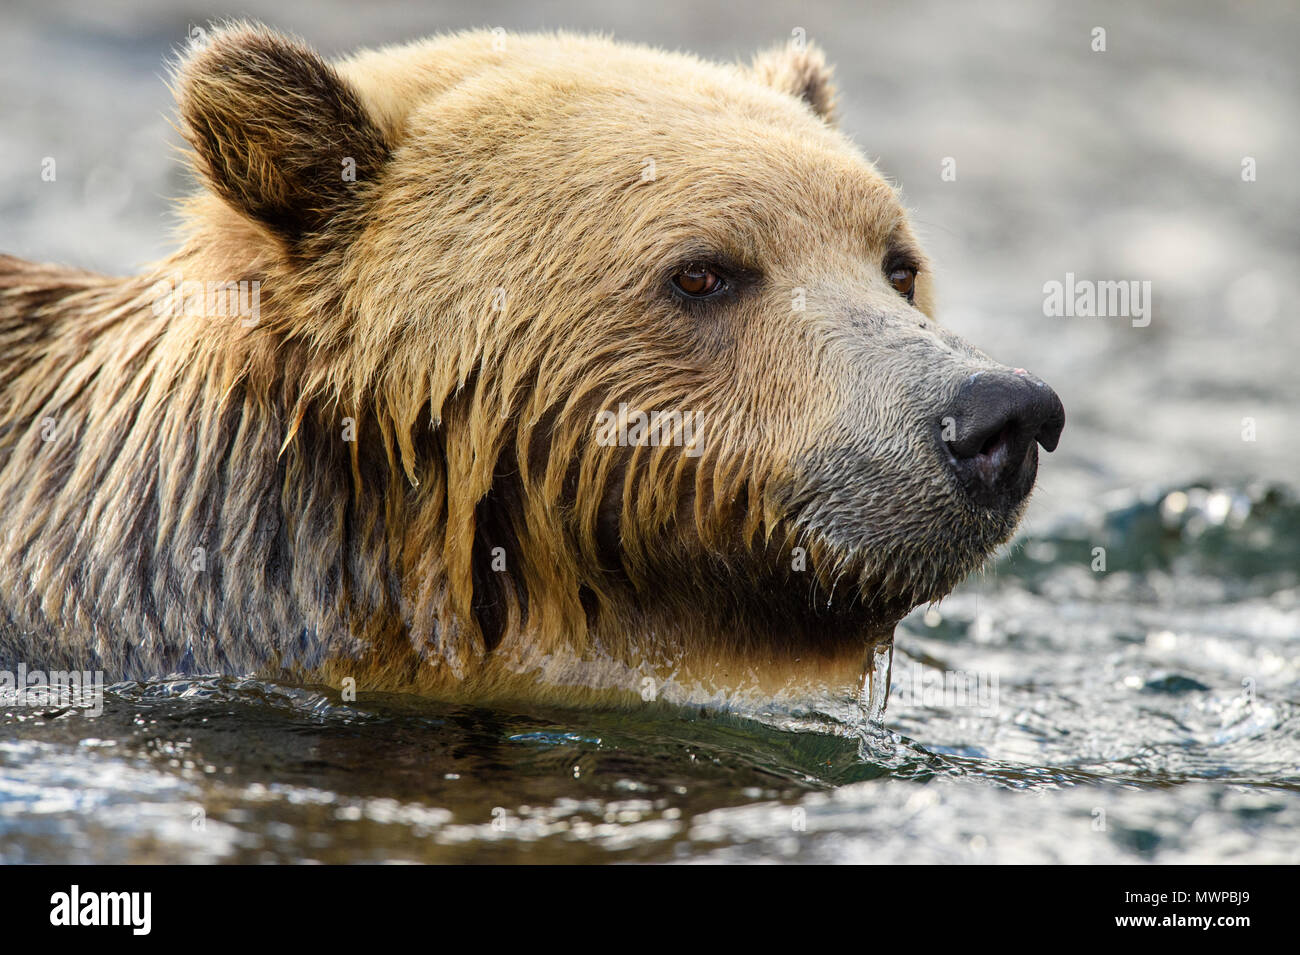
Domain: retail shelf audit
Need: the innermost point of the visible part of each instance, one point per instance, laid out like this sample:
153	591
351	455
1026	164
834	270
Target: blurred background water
1049	710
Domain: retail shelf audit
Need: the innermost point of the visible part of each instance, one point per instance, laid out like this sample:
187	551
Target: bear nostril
991	431
999	438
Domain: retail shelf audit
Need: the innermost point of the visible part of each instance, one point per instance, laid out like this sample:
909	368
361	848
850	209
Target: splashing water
874	695
875	742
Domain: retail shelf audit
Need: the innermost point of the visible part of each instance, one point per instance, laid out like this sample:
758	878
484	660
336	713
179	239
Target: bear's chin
873	583
844	593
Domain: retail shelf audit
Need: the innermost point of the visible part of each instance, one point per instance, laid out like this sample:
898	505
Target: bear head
644	348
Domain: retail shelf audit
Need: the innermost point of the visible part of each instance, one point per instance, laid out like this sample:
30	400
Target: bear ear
276	132
800	70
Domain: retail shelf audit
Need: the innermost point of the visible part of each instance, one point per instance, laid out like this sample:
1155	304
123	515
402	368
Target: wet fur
371	559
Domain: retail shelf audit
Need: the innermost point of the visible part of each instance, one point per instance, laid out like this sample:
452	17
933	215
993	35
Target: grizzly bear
500	367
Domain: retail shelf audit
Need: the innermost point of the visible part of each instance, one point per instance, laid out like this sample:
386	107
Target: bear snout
992	431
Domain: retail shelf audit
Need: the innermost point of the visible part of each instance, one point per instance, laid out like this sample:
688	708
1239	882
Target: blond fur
480	166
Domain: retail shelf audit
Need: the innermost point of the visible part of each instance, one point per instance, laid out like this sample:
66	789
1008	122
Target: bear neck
156	520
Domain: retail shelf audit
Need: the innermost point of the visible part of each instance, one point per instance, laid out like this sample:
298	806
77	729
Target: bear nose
992	429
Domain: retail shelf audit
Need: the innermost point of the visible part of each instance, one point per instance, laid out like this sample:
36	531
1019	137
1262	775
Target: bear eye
697	281
904	282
